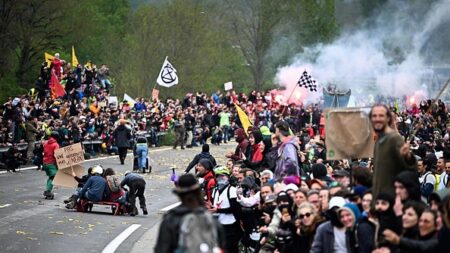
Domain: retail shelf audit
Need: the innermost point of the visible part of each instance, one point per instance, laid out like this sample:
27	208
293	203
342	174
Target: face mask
222	183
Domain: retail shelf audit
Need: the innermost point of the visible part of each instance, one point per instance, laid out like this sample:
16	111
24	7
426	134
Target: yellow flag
74	58
48	59
245	120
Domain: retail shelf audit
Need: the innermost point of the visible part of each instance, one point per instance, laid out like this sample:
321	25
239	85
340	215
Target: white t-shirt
443	180
340	245
221	201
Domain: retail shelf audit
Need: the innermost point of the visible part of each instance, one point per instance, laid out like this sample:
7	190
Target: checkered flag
307	82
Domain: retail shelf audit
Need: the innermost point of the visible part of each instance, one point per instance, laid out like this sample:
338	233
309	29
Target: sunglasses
301	216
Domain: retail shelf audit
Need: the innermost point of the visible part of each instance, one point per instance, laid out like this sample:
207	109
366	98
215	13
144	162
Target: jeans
226	133
141	152
105	83
189	135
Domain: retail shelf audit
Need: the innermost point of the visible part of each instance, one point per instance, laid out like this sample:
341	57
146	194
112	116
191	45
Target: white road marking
114	244
90	160
168	208
5	205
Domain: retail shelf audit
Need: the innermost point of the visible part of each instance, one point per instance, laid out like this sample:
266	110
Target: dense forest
209	42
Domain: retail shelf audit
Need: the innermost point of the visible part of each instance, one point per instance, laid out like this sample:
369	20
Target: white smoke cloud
383	56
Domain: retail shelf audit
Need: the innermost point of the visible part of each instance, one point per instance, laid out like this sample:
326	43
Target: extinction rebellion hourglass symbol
167	75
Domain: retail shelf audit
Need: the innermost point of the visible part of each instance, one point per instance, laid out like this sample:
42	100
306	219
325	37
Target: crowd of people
277	192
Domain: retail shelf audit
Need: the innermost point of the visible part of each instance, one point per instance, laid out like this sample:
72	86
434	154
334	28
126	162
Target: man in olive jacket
392	155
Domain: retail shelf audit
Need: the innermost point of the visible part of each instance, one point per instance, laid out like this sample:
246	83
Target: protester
50	166
122	137
203	155
287	161
392	155
207	230
96	186
136	188
226	208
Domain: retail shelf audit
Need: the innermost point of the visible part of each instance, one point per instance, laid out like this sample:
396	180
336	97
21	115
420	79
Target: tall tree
253	23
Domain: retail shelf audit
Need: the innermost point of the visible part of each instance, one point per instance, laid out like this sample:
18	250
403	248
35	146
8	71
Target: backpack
198	233
113	183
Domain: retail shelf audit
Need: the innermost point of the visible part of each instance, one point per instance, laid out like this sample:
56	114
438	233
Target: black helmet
54	134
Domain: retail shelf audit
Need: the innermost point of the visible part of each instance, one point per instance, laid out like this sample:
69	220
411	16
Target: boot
71	205
68	200
144	211
48	195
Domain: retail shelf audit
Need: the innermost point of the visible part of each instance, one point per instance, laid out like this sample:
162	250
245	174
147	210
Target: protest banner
349	134
228	86
64	176
69	155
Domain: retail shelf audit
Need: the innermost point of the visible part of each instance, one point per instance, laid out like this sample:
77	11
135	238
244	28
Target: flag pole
287	102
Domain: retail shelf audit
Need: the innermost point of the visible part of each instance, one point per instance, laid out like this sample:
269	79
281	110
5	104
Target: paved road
29	223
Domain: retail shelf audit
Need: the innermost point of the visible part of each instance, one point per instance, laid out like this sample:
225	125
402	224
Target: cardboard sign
349	134
228	86
155	94
102	104
69	155
113	101
64	176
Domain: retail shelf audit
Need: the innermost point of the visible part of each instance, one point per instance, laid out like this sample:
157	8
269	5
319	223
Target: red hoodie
49	151
242	146
257	154
211	182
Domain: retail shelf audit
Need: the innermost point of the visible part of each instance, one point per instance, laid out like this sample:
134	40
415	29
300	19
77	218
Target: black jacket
122	136
202	155
170	227
361	238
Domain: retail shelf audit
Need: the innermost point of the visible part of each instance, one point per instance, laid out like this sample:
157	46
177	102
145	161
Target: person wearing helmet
49	160
96	187
136	189
226	208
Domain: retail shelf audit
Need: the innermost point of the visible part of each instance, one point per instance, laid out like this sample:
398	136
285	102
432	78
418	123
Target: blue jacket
95	188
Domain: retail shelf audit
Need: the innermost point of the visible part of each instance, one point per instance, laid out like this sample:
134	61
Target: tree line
208	42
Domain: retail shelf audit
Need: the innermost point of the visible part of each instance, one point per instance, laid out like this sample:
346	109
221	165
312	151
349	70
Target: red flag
56	88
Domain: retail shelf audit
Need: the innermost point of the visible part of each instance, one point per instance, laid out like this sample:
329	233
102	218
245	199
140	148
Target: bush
168	139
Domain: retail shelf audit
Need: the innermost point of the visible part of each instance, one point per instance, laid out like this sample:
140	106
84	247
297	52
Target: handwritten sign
228	86
64	176
102	104
69	155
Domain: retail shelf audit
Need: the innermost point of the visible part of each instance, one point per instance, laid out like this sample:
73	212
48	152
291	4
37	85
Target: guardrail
24	146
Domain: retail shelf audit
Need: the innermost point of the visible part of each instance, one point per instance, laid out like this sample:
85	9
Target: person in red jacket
56	65
50	167
205	175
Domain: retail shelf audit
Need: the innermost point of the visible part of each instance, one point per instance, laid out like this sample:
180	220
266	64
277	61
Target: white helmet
97	169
